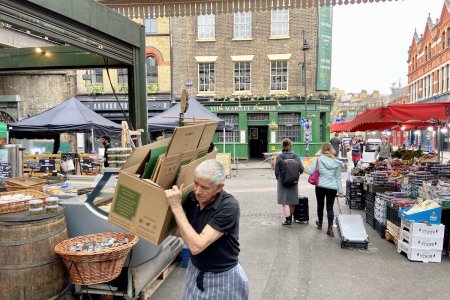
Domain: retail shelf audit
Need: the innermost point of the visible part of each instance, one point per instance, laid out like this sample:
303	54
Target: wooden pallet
391	238
153	285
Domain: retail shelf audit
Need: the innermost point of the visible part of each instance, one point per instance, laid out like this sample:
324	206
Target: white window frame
242	77
242	22
279	17
209	90
276	75
205	22
150	26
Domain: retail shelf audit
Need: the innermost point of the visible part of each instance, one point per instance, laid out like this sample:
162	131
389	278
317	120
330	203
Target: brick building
429	70
249	69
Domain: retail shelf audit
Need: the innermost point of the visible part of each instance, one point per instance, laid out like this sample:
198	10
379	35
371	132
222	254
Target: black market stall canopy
69	116
196	112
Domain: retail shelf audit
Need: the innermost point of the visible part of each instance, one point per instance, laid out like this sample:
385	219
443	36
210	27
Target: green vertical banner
323	82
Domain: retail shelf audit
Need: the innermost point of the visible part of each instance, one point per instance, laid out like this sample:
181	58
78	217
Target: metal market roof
166	8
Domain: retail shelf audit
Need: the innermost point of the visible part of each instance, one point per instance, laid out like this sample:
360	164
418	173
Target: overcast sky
371	41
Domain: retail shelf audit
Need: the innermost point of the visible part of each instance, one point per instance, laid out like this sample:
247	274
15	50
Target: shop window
233	120
278	75
242	76
122	76
242	25
289	126
206	27
280	23
258	117
206	77
97	76
151	65
150	26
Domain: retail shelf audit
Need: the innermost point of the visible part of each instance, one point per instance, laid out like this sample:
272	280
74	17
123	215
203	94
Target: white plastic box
422	255
419	242
423	230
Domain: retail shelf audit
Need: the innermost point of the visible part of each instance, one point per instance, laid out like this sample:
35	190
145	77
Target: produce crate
19	205
356	204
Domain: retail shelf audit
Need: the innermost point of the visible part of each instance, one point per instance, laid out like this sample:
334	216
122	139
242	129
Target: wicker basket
97	266
20	205
24	183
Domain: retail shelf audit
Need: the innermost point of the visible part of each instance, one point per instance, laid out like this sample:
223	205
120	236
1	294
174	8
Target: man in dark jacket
336	143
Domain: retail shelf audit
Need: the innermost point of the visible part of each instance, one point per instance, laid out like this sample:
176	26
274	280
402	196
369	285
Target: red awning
341	126
411	116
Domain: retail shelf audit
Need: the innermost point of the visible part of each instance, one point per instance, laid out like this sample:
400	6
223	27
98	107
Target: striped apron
231	284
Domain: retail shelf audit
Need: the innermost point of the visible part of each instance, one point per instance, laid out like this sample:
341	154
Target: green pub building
260	126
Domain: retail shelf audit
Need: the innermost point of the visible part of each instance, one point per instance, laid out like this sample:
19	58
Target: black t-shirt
106	163
223	215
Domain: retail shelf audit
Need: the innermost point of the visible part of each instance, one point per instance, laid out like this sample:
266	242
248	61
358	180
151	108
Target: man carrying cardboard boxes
208	222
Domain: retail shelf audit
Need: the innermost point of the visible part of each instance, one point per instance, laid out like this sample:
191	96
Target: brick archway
151	51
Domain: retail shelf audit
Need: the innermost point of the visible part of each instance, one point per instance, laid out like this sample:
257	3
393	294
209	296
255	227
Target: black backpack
290	171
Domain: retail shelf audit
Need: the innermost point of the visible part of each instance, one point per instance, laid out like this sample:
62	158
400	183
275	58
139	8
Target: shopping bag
314	177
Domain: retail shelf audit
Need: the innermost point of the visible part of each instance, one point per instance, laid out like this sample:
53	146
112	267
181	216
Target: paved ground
302	262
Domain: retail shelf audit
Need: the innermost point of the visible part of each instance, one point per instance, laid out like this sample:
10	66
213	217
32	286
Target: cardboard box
423	230
139	204
415	254
430	216
421	242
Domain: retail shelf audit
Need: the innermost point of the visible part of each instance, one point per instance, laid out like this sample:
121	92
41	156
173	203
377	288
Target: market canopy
195	113
396	116
69	116
171	8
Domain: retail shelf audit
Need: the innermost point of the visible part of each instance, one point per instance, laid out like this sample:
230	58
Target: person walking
356	151
384	150
361	143
336	142
106	141
208	222
287	194
329	185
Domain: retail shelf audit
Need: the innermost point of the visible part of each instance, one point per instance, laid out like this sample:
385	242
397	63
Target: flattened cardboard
184	139
139	205
205	140
186	175
136	162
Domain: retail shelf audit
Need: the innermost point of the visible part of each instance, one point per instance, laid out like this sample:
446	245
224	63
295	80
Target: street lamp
305	47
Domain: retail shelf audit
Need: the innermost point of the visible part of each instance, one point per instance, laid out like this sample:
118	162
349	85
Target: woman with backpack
287	171
328	186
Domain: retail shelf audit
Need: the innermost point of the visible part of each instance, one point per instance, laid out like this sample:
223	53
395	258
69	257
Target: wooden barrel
29	269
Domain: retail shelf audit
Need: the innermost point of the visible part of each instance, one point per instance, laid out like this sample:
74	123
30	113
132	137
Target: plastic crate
356	205
370	220
380	228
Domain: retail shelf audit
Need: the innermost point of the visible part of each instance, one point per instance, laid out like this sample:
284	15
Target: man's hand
341	195
173	196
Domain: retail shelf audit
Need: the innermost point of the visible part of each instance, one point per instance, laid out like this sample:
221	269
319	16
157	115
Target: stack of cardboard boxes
139	203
